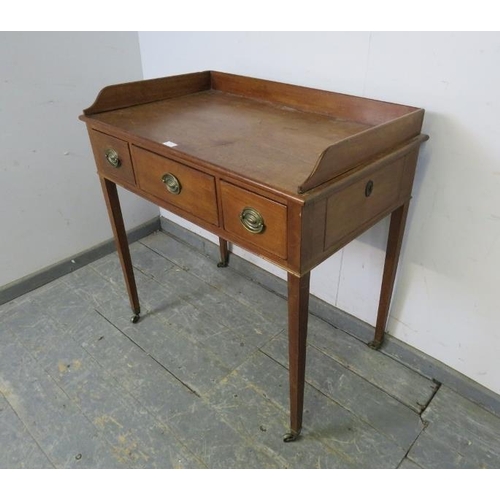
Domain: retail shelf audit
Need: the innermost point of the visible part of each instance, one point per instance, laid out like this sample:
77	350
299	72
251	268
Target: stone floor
201	380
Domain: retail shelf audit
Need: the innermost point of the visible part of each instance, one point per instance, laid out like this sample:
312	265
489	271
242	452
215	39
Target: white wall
51	206
447	292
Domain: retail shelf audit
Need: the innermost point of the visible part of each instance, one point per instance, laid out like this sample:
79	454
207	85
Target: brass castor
291	436
375	344
135	318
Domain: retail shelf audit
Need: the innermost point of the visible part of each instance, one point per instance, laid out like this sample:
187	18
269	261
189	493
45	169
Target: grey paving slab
215	442
475	424
325	421
149	262
202	328
394	378
368	402
181	336
210	322
134	437
134	369
408	464
247	292
7	307
429	452
66	437
109	266
189	361
153	297
254	402
18	449
63	304
231	347
255	417
92	287
18	317
194	316
171	291
164	400
194	422
225	309
201	380
434	369
402	352
459	434
4	309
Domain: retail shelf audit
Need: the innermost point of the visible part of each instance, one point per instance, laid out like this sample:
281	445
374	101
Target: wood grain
254	126
351	207
140	92
334	104
345	155
274	236
394	242
102	143
116	218
254	139
197	194
298	311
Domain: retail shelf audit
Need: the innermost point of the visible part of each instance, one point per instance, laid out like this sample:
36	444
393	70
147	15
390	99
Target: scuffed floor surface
201	381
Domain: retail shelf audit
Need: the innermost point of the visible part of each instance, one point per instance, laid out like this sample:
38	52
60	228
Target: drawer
112	157
356	204
177	184
258	220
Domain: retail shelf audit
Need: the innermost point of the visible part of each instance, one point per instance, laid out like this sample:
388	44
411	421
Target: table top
273	143
289	138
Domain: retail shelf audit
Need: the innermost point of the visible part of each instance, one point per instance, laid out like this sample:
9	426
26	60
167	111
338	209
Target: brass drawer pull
171	183
113	158
252	220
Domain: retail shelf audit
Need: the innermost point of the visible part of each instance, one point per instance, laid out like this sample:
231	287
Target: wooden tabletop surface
269	143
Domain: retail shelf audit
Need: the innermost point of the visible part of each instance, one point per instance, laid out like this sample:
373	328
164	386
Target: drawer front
258	220
355	205
112	156
177	184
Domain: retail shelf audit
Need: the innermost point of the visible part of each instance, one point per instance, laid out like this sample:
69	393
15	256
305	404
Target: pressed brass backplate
113	158
252	220
171	183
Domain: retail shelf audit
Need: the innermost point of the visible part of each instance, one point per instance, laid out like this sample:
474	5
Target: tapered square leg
394	241
115	216
224	254
298	310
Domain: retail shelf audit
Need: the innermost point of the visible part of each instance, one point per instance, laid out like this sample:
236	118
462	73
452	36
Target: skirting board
39	278
402	352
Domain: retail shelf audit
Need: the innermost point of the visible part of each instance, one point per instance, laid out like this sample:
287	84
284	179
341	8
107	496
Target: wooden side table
289	173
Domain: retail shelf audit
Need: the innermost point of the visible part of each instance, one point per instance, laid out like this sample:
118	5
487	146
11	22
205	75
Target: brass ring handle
113	158
171	183
252	220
